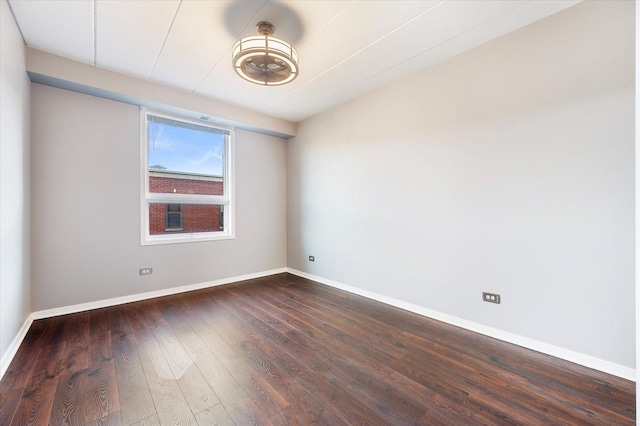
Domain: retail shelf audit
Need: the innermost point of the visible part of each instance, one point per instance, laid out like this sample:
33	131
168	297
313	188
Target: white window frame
147	198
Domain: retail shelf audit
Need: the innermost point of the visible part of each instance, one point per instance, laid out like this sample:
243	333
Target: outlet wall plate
491	297
146	271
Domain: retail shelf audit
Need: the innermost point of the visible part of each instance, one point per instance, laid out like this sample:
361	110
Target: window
174	217
187	180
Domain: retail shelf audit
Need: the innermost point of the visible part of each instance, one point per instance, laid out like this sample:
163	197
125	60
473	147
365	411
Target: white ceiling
347	48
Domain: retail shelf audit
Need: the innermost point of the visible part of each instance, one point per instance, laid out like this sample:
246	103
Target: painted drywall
85	217
65	73
15	287
507	169
637	164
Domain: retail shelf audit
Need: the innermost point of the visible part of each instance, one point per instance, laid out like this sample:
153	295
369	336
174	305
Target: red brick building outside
184	218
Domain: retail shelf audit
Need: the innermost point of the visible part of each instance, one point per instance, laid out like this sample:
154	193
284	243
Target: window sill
185	238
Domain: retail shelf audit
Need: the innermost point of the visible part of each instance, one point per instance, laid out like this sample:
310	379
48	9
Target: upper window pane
185	158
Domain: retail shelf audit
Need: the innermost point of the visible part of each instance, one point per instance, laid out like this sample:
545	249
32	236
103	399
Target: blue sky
185	150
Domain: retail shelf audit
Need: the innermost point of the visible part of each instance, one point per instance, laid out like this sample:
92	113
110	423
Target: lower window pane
185	218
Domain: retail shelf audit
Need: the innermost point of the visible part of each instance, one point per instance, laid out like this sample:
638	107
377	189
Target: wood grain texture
215	416
113	419
149	421
283	350
37	401
15	380
135	399
169	401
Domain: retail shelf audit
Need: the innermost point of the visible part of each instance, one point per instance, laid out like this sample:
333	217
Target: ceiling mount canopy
264	59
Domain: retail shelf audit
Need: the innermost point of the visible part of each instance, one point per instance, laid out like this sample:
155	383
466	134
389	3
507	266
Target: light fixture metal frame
268	46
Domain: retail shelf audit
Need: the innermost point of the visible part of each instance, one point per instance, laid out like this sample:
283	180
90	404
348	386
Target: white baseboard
558	352
11	351
47	313
7	357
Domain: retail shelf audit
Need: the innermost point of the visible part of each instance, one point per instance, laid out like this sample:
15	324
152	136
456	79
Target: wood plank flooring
283	350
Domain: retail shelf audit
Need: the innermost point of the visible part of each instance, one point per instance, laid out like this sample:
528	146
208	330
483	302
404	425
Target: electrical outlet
491	297
146	271
312	258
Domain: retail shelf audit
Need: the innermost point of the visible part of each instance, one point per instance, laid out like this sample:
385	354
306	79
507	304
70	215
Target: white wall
637	182
85	185
15	288
509	169
64	73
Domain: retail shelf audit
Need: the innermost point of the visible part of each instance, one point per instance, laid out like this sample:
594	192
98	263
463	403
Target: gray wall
86	221
509	169
15	287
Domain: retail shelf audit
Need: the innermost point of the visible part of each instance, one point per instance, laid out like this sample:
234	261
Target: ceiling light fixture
265	60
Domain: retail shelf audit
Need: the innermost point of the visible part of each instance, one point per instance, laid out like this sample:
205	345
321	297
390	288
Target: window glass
187	180
173	219
187	218
185	158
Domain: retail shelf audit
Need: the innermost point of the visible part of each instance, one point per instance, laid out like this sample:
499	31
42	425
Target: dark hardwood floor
283	350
